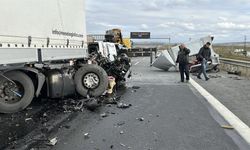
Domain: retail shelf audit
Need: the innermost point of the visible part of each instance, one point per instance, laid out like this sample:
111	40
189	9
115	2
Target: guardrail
231	65
235	62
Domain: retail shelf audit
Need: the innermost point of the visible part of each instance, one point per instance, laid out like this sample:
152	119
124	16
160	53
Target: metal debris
214	76
227	127
91	104
103	115
136	87
122	105
140	119
234	72
121	123
122	144
121	132
45	114
236	78
52	142
109	105
79	105
28	119
86	135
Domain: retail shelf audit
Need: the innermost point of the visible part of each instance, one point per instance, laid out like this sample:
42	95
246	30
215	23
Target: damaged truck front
113	58
43	52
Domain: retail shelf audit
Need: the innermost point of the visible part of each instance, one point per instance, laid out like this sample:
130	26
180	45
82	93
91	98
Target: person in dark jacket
204	55
183	60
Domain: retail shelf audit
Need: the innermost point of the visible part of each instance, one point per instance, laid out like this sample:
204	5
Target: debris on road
86	135
79	105
227	127
91	104
121	123
122	105
140	119
234	72
122	144
214	76
110	100
52	142
103	115
109	105
45	114
236	78
66	126
136	87
28	119
121	132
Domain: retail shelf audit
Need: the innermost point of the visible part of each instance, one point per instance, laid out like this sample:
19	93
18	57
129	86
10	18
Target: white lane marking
136	63
231	118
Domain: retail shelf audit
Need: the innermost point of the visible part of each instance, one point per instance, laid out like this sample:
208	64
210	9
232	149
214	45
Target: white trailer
43	47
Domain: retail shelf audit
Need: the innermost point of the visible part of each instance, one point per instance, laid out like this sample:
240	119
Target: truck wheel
17	94
92	80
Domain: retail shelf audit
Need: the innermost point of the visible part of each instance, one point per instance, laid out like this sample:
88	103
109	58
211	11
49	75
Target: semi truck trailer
43	52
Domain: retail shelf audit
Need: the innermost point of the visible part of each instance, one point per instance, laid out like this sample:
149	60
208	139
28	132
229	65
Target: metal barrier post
151	57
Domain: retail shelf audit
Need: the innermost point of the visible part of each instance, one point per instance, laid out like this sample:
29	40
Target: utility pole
245	43
169	46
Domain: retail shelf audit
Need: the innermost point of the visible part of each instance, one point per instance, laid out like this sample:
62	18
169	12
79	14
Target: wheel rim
91	80
11	93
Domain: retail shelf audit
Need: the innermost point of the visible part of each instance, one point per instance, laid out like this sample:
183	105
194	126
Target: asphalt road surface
232	91
165	115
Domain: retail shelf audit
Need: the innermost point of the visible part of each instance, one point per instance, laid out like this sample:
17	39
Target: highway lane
175	117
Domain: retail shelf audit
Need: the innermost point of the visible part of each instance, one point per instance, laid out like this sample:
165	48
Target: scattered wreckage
167	58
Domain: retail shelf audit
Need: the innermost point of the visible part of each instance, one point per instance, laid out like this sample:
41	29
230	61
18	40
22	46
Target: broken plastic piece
86	135
52	142
103	115
28	119
227	127
122	105
140	119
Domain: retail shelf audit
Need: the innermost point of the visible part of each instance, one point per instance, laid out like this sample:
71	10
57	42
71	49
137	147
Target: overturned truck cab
167	58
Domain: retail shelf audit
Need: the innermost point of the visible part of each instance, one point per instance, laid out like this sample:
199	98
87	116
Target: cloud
233	26
222	18
180	25
109	25
144	26
180	19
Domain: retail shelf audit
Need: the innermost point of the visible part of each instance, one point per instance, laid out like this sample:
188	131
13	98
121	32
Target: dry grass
228	52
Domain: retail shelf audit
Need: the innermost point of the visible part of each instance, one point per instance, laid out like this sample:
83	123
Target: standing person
204	55
183	60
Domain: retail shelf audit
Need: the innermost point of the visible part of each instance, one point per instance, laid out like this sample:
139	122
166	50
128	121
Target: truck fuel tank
60	83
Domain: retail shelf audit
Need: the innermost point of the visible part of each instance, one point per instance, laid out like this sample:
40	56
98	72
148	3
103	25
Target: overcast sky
227	20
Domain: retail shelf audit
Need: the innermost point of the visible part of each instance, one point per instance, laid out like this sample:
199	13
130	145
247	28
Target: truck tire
91	80
15	97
